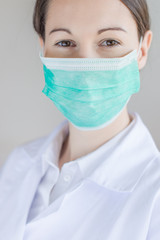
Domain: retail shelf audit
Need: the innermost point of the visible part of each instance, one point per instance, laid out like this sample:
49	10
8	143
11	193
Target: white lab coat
120	200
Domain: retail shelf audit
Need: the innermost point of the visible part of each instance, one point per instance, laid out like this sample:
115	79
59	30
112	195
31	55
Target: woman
97	175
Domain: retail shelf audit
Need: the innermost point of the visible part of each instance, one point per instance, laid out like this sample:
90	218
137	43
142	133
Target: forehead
89	14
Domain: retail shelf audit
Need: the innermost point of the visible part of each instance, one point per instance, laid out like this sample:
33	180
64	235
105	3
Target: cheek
48	48
49	52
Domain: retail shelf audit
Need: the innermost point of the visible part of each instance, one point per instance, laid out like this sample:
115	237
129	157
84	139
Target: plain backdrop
25	112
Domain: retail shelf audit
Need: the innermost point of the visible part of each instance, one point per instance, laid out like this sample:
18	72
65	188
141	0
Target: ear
146	43
41	42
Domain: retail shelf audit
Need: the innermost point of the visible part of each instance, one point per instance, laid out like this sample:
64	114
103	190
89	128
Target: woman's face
91	29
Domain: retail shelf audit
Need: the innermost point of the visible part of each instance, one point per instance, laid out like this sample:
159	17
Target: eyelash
109	40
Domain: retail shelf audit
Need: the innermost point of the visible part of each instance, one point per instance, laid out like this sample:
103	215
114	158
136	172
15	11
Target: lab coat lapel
19	181
15	201
122	168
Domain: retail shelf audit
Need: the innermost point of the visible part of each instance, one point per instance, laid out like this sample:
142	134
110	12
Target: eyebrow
99	32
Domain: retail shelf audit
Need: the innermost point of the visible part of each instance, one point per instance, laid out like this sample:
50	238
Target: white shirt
56	182
112	193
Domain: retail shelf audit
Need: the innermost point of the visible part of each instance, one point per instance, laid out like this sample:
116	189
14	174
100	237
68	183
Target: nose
86	52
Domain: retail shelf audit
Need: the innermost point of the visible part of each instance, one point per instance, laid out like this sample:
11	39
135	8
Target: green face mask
91	92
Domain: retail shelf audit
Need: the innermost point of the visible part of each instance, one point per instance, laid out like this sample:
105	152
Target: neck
79	143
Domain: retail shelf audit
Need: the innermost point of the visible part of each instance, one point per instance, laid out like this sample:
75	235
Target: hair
138	9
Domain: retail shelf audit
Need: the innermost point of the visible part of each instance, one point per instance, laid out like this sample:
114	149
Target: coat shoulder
23	154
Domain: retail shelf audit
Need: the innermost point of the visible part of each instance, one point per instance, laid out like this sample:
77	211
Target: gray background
26	113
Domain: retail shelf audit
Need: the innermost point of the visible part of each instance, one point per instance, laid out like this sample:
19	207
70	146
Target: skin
84	18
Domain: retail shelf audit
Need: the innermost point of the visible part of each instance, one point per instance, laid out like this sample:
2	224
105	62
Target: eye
64	43
111	43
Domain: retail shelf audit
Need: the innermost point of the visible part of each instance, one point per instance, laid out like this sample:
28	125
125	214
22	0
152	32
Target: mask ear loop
140	45
41	51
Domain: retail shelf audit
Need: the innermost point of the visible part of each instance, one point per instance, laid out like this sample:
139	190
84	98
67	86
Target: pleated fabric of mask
91	92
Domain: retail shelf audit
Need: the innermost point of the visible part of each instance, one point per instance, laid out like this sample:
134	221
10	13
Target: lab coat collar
127	157
121	166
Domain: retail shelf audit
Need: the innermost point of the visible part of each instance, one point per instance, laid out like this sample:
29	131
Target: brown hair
138	9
